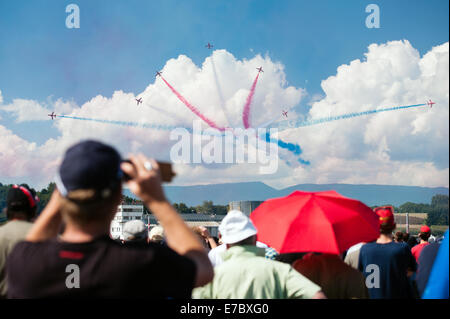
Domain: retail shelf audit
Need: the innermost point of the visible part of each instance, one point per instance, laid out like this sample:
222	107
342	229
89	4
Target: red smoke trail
246	112
193	108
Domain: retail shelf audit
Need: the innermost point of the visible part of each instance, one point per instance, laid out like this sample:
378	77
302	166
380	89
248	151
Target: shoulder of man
15	226
24	252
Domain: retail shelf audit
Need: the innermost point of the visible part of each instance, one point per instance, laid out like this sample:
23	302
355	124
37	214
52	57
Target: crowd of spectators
68	252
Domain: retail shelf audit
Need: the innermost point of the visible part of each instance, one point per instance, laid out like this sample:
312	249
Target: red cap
385	215
425	229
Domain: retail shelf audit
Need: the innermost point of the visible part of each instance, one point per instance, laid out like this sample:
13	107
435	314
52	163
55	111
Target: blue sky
122	43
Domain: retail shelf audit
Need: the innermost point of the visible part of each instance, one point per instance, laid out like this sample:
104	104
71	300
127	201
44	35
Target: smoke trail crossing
219	90
296	124
246	112
165	112
193	108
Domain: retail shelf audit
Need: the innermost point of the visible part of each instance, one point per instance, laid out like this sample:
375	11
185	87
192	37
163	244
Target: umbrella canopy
325	222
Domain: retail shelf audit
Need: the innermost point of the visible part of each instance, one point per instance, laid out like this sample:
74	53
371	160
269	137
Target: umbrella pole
407	223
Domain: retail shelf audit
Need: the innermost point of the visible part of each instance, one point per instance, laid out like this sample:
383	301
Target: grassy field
415	221
418	215
414	229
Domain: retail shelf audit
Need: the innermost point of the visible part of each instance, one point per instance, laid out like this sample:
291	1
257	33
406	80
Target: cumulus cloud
221	72
25	110
21	160
408	147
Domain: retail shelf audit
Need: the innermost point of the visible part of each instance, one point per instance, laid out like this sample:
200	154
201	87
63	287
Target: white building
125	213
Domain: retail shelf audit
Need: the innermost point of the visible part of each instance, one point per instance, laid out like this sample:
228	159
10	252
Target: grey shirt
10	234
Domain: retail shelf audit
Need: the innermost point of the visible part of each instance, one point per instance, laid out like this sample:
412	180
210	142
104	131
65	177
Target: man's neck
19	218
423	241
384	239
76	234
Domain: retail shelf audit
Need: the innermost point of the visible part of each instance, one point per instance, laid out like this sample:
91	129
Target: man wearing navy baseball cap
84	261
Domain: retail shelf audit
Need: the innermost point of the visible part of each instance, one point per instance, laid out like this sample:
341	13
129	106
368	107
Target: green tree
182	208
205	208
438	214
439	200
414	208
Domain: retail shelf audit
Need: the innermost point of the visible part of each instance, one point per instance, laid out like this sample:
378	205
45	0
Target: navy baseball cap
90	165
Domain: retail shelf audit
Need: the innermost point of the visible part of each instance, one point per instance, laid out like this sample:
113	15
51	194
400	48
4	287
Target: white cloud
25	110
408	147
23	161
160	106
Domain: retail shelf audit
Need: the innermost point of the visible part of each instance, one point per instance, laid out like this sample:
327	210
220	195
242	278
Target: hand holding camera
144	177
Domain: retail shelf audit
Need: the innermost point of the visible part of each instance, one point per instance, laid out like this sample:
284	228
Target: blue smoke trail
296	124
293	148
129	124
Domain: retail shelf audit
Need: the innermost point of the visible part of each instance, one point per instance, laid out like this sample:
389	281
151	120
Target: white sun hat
236	226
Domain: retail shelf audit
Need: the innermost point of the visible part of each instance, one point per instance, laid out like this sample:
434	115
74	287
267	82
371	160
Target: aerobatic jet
52	115
430	103
139	101
260	69
209	45
158	73
285	113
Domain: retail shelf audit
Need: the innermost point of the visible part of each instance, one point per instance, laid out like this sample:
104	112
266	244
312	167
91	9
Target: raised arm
48	223
146	184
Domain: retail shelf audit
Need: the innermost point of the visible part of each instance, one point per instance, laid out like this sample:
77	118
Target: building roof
201	218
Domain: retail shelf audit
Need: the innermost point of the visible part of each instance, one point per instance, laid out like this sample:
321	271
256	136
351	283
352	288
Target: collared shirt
215	254
247	274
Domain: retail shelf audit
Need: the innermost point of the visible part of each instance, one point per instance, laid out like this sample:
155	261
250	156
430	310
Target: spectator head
135	230
156	234
385	219
412	241
425	233
399	237
289	258
405	237
237	229
90	183
21	203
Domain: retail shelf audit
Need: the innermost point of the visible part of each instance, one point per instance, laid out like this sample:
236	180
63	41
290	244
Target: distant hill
222	194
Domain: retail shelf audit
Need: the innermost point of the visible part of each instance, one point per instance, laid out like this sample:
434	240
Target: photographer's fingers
154	165
129	169
138	165
141	162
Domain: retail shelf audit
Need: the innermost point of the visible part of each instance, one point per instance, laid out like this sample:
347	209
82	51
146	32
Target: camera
167	174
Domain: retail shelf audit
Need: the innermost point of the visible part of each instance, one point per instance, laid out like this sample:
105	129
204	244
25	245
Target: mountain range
371	195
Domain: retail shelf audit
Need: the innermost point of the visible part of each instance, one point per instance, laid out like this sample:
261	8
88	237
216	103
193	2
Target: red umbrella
325	222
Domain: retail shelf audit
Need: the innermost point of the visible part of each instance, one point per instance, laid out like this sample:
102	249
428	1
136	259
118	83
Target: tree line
207	207
437	210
